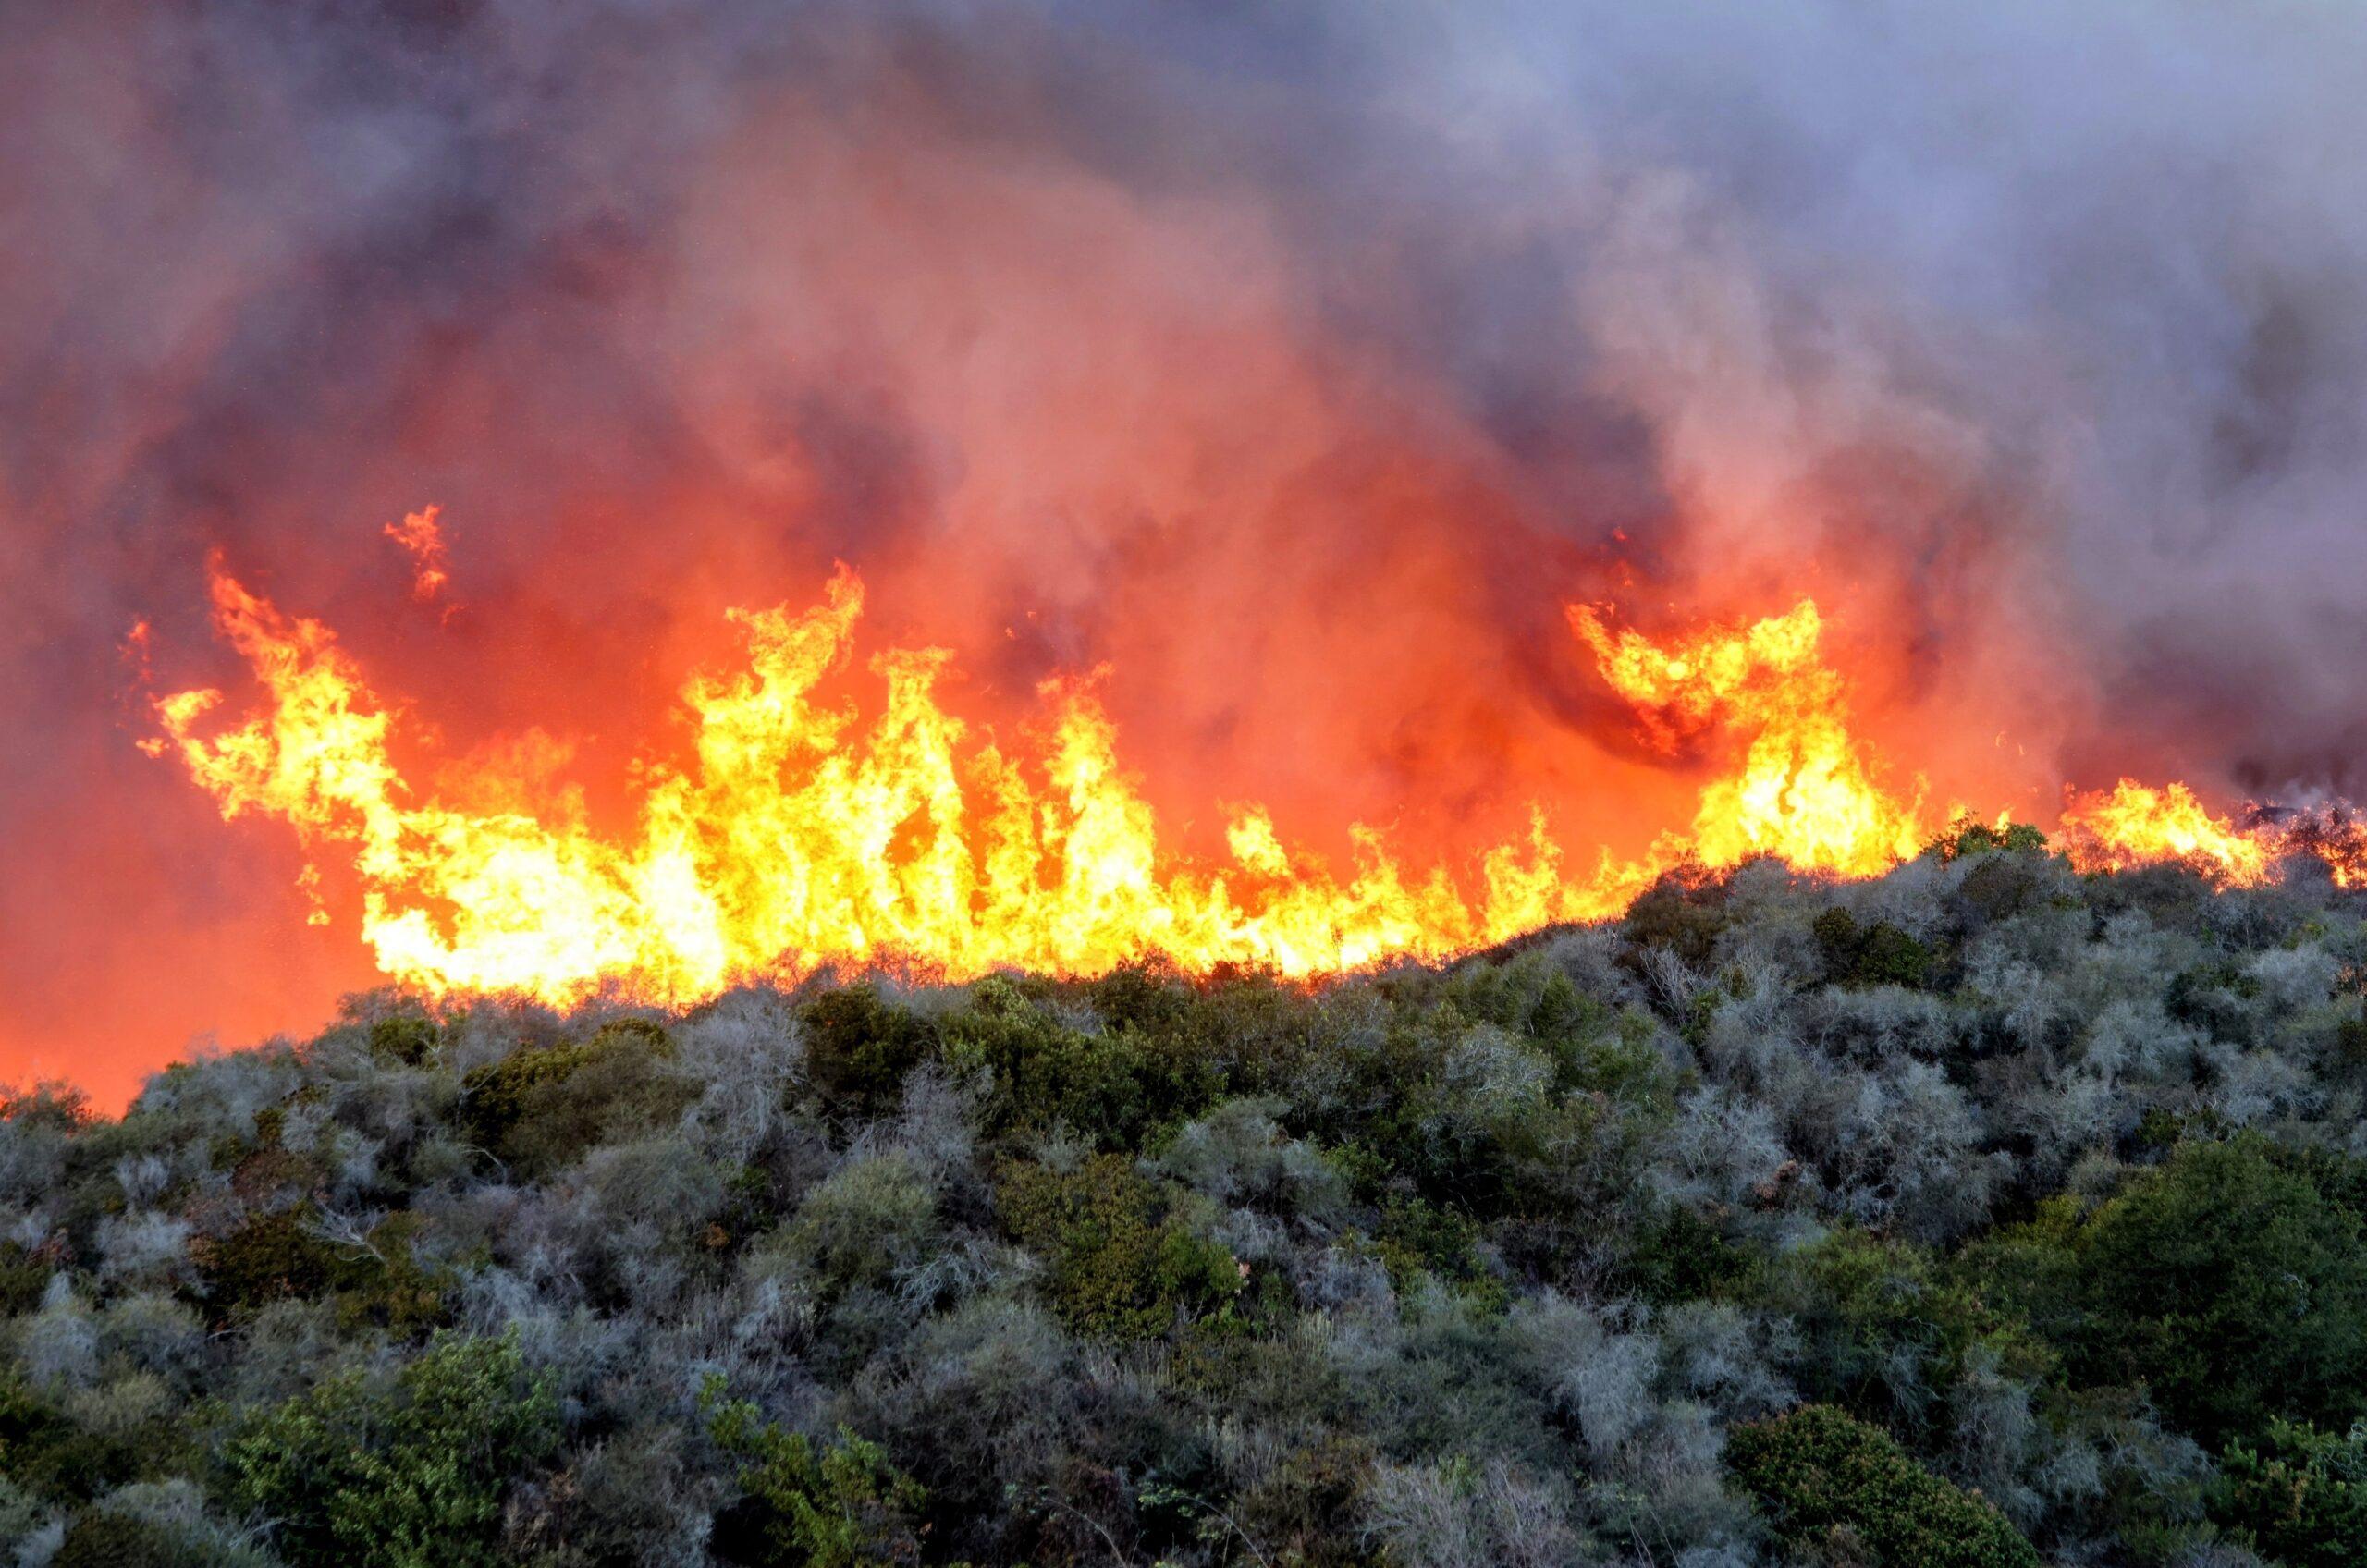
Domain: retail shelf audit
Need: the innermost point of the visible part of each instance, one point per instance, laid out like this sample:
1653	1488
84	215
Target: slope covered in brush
1982	1214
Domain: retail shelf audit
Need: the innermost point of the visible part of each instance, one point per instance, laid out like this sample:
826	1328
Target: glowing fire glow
794	835
2134	824
421	533
1804	789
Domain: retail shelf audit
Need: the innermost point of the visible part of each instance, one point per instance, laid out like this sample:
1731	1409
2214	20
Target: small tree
2301	1494
2233	1287
410	1475
1831	1482
843	1506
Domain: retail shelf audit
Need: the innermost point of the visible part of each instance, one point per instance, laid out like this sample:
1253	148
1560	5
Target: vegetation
412	1474
1983	1214
1838	1489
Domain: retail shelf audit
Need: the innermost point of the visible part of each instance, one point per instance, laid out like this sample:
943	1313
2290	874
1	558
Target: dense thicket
1982	1214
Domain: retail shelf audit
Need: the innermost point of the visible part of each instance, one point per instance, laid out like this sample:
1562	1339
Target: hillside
1981	1214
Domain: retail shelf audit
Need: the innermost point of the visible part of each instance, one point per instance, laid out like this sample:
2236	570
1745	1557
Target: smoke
1296	361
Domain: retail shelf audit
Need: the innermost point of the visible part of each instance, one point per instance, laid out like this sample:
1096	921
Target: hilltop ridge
1981	1213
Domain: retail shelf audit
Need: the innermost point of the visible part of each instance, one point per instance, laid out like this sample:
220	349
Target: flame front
2135	824
794	838
1804	789
795	835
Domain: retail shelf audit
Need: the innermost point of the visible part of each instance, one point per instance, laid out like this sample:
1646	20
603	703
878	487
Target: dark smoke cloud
1296	359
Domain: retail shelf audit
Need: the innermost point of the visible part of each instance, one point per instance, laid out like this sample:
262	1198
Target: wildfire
421	535
1805	791
795	835
2135	824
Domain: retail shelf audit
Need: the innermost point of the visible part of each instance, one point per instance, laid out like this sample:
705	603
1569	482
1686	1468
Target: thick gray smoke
2036	333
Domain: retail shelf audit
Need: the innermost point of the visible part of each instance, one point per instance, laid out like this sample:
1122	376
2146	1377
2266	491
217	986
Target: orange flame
791	841
795	835
421	533
2135	825
1805	791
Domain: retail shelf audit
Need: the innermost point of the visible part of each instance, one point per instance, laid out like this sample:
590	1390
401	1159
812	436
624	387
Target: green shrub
2232	1287
541	1108
1121	1263
859	1047
410	1039
1882	1324
1528	995
843	1506
2300	1495
50	1108
1113	1087
1680	1255
410	1474
1305	1509
270	1258
2350	1038
869	1219
1684	912
1880	954
281	1258
100	1538
1831	1483
154	1525
1418	1237
1998	887
24	1275
47	1455
2214	997
1967	837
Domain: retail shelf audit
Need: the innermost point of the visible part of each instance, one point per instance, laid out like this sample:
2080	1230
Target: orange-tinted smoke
1064	359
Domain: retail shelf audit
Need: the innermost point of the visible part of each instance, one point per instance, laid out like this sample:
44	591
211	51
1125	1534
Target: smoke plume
1295	362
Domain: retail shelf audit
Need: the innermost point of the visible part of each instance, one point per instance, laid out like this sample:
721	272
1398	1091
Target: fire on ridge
799	835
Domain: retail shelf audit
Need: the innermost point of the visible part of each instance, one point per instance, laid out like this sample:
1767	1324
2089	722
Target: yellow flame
795	835
1805	789
2135	824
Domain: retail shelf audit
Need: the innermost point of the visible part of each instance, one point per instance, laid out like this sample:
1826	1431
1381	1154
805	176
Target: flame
2336	834
794	835
2135	824
1804	789
421	533
792	838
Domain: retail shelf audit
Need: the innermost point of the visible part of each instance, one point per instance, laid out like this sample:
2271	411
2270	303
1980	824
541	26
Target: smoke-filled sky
1297	361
